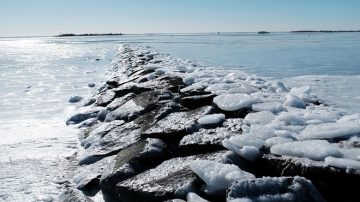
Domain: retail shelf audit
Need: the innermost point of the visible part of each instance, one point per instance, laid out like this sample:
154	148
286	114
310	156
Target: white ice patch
211	119
239	141
352	153
274	107
277	140
243	89
342	163
233	102
304	94
218	176
261	118
313	149
259	131
330	130
294	101
248	152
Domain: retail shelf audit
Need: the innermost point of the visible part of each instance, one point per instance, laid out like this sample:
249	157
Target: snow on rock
313	149
342	163
192	197
212	119
233	102
273	190
218	176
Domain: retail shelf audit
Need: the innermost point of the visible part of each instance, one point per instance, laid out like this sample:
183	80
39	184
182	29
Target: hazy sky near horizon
50	17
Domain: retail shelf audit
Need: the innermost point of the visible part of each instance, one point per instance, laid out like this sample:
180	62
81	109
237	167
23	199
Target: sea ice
294	101
261	118
277	140
330	130
239	141
211	119
233	102
342	163
218	176
248	152
313	149
274	107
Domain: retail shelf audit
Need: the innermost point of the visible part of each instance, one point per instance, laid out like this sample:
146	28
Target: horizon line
184	33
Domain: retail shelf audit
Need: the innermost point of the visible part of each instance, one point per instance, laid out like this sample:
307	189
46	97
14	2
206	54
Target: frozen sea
39	74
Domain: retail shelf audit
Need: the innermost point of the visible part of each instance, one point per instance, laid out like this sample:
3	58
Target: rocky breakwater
162	129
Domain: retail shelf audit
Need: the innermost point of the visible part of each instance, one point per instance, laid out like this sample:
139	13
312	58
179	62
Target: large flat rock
130	161
171	179
206	140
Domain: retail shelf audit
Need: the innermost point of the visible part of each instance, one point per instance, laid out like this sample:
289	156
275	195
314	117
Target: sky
52	17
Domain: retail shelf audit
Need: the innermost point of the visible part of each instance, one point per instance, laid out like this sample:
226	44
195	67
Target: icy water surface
37	76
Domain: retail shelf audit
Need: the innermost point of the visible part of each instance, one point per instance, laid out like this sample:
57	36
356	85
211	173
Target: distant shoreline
89	34
323	31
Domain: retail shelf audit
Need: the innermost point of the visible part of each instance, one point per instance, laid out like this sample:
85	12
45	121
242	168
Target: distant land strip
324	31
89	34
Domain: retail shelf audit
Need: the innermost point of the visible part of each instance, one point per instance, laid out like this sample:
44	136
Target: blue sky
49	17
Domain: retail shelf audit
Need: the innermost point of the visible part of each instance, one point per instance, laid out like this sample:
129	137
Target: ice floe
313	149
218	176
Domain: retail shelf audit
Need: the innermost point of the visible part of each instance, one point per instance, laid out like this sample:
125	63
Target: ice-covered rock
209	139
273	189
132	160
218	176
192	197
176	125
171	179
84	114
105	98
73	195
75	98
111	143
312	149
88	176
135	107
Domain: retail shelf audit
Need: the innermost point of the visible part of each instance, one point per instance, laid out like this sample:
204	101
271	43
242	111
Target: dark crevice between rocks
193	149
197	101
233	114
